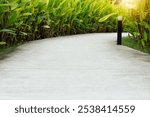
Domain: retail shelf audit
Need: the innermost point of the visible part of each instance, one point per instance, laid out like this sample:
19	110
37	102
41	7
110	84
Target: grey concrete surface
89	66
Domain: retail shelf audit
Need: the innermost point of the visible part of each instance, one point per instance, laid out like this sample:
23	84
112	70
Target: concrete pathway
87	66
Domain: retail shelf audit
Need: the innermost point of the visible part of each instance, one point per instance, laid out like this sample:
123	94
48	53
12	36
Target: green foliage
25	20
2	43
138	23
129	42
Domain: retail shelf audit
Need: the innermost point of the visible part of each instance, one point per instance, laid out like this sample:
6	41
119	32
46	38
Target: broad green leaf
8	31
145	36
46	26
5	5
2	43
106	17
23	33
26	14
143	42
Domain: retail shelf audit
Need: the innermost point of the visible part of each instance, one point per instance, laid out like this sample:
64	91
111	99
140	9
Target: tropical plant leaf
8	31
26	14
145	36
23	33
5	5
106	17
2	43
46	26
143	42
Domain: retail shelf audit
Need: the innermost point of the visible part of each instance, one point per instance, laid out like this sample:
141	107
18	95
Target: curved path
87	66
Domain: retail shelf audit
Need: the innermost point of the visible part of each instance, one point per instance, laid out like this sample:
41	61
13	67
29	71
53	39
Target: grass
135	45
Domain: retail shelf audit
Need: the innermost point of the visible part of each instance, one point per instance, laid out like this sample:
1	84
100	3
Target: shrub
26	20
138	23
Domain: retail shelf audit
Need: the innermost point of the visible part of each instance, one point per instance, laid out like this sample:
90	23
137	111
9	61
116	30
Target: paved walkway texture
89	66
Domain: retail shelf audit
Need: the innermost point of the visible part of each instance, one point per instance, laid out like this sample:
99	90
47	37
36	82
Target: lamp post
129	4
119	34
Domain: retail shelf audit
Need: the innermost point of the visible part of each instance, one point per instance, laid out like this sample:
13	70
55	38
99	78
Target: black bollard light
119	34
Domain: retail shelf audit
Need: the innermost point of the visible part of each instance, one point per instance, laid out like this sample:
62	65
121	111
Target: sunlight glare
130	4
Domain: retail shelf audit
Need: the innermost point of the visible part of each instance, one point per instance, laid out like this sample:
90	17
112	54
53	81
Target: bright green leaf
106	17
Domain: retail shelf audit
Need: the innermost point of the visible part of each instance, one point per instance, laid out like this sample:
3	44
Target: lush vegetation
27	20
138	23
132	43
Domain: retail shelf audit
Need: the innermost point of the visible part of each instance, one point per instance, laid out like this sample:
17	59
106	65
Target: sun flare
130	4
